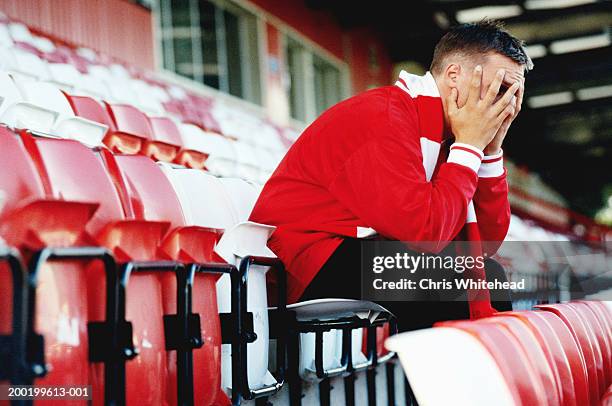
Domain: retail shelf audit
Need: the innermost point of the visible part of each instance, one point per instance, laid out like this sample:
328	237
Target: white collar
418	85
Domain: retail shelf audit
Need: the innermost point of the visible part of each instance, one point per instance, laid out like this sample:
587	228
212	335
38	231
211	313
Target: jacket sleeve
491	202
383	183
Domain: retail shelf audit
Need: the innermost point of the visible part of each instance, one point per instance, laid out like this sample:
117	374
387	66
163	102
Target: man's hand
495	145
478	121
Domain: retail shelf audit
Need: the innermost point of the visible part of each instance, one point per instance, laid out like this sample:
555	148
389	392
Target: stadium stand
136	289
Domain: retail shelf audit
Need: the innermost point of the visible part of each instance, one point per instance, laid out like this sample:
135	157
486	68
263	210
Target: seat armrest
245	239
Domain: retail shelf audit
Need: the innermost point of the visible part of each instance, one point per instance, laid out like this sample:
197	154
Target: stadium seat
600	333
193	154
221	154
65	76
148	98
562	354
91	86
47	97
5	36
440	374
247	164
195	190
166	141
23	65
151	198
131	129
74	171
517	368
535	354
588	346
32	220
91	109
19	32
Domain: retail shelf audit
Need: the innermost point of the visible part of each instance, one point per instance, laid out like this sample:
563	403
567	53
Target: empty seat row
43	108
81	71
560	354
61	193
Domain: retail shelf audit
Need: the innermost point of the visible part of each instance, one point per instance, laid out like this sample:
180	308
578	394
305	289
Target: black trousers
340	278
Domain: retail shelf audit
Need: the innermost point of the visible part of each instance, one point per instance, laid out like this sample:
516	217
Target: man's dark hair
479	39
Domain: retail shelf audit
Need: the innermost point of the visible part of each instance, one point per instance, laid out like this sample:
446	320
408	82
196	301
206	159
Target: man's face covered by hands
492	63
490	89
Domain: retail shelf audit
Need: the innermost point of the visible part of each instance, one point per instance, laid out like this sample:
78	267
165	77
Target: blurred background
288	60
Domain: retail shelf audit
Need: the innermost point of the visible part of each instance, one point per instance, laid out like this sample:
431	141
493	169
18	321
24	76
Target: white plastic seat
101	72
221	155
64	75
266	162
149	98
19	113
243	196
43	108
248	166
205	203
87	53
91	86
24	64
119	71
121	92
43	44
19	32
449	366
5	37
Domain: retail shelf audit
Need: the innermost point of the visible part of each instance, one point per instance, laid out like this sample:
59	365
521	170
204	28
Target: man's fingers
506	98
474	93
452	101
507	114
494	87
519	101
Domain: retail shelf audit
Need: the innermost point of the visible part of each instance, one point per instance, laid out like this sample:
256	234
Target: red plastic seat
132	129
514	364
32	219
606	399
152	198
587	343
562	353
546	371
599	329
90	109
166	141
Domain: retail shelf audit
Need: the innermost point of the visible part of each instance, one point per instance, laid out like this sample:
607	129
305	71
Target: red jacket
375	162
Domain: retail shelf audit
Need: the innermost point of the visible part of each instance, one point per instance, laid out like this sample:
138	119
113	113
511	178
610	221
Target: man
418	161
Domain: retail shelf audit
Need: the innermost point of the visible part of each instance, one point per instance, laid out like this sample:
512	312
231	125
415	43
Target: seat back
535	354
27	65
9	93
45	95
64	75
150	194
522	378
91	109
571	391
153	198
76	173
62	291
19	182
197	190
221	155
243	196
587	343
460	381
131	128
166	140
599	338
